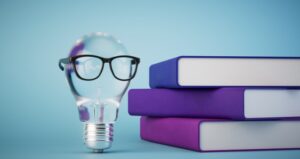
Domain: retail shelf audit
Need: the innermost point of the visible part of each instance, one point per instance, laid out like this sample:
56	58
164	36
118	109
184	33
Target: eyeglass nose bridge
106	60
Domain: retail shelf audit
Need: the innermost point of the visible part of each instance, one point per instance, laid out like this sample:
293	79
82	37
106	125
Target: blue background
38	116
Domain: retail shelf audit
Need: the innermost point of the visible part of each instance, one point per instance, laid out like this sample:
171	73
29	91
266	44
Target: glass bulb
98	100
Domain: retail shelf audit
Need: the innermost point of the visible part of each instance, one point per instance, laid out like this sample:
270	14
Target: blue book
210	71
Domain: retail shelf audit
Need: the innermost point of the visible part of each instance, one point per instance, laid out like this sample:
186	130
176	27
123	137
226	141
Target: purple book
221	135
231	103
210	71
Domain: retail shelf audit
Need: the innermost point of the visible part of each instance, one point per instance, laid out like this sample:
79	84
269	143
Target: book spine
182	133
206	103
164	74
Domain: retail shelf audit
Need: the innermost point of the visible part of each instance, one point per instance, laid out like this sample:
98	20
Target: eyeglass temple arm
63	61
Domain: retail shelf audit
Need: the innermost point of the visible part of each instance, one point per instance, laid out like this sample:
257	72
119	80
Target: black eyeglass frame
135	60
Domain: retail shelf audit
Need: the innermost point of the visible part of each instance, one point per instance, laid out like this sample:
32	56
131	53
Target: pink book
221	135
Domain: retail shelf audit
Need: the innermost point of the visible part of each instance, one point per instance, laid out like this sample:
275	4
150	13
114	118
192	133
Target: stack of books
221	103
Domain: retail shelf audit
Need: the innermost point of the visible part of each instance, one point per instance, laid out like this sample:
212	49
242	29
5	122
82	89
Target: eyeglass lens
88	67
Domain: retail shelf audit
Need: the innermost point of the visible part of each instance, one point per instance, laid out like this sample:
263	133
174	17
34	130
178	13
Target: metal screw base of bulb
98	137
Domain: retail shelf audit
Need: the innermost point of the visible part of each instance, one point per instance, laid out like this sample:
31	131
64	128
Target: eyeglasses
90	67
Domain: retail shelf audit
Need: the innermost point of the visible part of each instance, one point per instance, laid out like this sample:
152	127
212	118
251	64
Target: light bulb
98	99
